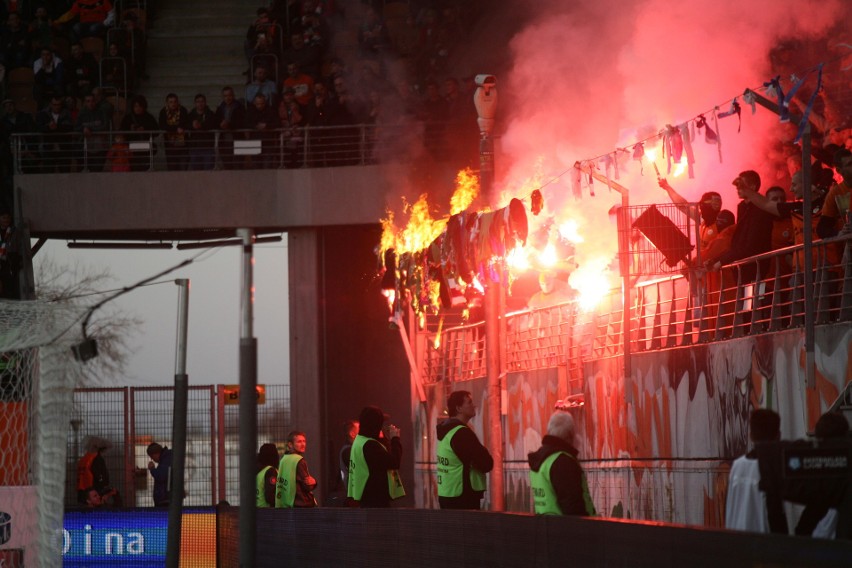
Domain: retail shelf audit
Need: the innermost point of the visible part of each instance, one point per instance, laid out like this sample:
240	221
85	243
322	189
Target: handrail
291	147
747	299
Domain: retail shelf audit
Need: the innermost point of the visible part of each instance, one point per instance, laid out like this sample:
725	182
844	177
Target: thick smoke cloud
589	76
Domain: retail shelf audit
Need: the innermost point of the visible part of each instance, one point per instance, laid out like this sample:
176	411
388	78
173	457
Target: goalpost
38	374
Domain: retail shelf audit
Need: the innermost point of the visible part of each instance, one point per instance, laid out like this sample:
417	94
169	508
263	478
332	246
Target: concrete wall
657	445
105	204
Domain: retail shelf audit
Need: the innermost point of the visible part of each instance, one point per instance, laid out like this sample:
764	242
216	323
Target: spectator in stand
16	122
81	72
264	55
73	107
336	68
313	25
263	120
836	206
782	229
708	207
118	157
262	85
307	57
49	77
202	121
372	35
55	124
141	124
174	119
94	125
90	16
103	104
230	116
15	44
292	122
317	114
41	29
114	69
261	35
302	84
753	234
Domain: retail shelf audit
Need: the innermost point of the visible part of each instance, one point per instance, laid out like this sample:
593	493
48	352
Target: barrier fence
299	147
760	294
130	418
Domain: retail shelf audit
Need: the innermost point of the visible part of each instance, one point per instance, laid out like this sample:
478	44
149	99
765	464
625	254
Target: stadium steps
194	47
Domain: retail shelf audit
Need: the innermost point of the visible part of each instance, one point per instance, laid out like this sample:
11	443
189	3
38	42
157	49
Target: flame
437	342
569	231
421	229
592	281
467	190
680	167
517	259
477	284
547	257
651	154
391	296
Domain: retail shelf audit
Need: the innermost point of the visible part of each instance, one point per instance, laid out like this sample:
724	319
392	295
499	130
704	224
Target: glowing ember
569	231
391	296
467	189
477	284
591	280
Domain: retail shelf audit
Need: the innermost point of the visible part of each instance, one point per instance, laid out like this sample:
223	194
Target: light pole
485	99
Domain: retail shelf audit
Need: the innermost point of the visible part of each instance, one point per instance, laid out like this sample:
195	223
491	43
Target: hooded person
267	470
373	468
92	472
557	479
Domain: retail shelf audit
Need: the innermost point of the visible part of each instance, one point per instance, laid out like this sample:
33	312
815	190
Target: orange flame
517	259
467	190
680	167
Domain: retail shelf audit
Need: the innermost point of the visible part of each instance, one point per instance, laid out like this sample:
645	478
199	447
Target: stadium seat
93	45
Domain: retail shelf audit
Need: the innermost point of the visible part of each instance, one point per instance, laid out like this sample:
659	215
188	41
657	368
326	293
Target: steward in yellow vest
266	478
295	484
557	480
373	468
462	460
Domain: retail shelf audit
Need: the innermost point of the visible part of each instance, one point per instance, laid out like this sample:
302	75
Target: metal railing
300	147
759	294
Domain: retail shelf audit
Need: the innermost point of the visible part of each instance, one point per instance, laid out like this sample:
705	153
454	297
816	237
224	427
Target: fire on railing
760	294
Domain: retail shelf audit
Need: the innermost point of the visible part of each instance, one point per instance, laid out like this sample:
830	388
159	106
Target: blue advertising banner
133	538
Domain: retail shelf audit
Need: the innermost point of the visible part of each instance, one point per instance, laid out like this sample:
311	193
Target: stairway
196	46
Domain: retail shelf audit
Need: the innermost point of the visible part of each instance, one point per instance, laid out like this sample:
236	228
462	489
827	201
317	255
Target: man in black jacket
462	460
557	480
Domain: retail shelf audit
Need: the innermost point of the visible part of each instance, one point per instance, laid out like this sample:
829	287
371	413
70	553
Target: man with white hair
556	477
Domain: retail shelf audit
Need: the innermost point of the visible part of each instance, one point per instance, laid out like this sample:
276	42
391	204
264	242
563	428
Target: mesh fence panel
37	377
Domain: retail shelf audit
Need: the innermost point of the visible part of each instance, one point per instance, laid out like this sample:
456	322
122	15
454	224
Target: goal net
38	374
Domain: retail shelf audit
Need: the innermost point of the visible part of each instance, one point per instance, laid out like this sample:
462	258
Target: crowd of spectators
307	66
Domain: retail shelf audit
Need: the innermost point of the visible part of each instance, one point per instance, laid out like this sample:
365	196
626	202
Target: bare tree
110	326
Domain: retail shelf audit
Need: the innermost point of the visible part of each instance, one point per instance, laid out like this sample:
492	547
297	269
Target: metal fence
130	418
303	147
760	294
